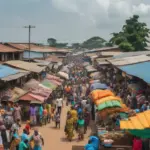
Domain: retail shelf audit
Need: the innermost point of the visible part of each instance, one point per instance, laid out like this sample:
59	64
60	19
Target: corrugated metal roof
23	46
110	53
140	70
129	60
6	71
7	49
15	76
102	49
27	97
42	62
103	58
129	54
17	92
33	67
37	48
103	63
53	58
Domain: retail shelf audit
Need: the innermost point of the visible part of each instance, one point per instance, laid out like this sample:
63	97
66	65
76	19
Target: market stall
110	110
63	75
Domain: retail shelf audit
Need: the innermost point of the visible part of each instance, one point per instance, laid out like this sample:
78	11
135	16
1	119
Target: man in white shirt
59	104
83	102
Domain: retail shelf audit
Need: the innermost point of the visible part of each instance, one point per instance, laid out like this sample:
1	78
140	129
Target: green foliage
61	45
108	44
94	42
52	42
76	45
133	36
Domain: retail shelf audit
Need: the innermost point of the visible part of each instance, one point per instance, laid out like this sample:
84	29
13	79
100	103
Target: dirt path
55	138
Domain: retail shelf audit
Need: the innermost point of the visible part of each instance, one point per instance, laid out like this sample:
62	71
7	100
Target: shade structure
95	75
63	75
94	81
47	83
139	122
95	86
145	134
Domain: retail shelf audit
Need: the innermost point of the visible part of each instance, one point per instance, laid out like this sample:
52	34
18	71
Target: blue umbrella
95	86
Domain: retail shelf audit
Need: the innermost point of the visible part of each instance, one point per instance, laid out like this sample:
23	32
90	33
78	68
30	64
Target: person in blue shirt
24	135
94	140
89	146
143	108
79	110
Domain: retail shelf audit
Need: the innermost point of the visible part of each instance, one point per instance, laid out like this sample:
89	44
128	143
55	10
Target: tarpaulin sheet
6	71
140	121
48	84
95	86
27	97
140	70
40	98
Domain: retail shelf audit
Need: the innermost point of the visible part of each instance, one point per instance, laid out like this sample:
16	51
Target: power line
29	27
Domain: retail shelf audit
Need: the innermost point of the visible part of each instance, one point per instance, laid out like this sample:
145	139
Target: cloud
103	11
67	20
142	9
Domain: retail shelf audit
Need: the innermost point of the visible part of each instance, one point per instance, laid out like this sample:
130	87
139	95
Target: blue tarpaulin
140	70
6	71
95	86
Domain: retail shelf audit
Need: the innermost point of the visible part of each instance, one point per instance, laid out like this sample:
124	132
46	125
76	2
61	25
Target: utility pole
29	27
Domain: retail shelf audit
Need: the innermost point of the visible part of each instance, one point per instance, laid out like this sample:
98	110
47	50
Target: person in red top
137	144
27	127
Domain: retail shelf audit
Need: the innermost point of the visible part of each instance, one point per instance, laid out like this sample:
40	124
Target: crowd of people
75	92
78	117
12	139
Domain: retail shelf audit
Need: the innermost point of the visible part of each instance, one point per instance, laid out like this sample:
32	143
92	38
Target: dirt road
55	138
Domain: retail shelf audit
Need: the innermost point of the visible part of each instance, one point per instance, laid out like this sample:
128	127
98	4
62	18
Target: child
52	112
57	119
28	127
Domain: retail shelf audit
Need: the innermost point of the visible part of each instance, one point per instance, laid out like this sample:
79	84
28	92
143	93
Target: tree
108	44
76	45
133	36
61	45
94	42
52	42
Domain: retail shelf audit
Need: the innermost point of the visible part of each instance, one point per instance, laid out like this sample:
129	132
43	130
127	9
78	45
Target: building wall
10	56
33	55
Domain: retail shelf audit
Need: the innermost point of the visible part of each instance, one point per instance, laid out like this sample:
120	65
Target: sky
67	20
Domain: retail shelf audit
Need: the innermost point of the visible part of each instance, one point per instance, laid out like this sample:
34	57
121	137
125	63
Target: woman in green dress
80	128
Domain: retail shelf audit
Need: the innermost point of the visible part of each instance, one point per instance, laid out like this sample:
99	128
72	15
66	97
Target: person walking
80	128
59	104
38	140
17	112
57	119
33	115
86	115
69	127
5	134
23	145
